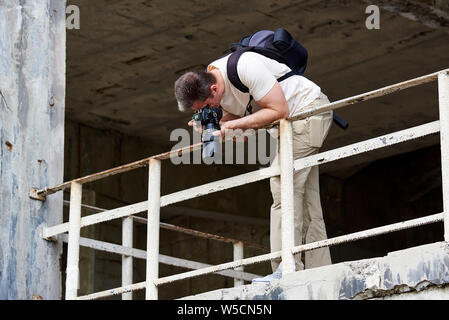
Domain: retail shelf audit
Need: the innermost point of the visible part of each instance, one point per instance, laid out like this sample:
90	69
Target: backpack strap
233	75
287	75
231	69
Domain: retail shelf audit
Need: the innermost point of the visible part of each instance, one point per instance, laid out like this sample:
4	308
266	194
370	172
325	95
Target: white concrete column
287	193
73	247
443	89
238	255
32	108
154	204
127	261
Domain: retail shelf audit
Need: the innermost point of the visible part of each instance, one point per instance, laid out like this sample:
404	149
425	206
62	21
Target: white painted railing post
443	89
287	193
73	247
127	261
238	255
154	204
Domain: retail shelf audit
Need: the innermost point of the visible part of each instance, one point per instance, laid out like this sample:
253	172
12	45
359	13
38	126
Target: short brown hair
193	86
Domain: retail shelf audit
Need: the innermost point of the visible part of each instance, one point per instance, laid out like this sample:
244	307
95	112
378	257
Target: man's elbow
281	114
285	114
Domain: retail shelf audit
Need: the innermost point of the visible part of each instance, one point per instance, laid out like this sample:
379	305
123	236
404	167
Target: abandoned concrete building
96	102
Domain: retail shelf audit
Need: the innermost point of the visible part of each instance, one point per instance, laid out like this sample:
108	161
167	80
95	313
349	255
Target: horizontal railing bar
113	292
171	211
166	200
321	158
220	267
370	233
368	145
142	285
318	159
196	213
220	185
167	155
50	232
184	230
369	95
164	259
231	265
85	206
201	234
121	169
324	243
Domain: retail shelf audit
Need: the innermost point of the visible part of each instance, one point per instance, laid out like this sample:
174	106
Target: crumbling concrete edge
406	271
412	270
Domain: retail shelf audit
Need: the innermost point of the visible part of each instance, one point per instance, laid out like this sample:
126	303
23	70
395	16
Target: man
272	101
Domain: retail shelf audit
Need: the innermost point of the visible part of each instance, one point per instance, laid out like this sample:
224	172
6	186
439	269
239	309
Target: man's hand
226	124
194	124
225	129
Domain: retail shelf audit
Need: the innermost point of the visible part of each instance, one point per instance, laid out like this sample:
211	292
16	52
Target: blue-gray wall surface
32	85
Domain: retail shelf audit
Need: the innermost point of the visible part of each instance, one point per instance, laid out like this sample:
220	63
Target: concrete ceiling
122	63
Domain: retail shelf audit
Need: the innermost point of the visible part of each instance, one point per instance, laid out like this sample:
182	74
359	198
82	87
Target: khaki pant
308	137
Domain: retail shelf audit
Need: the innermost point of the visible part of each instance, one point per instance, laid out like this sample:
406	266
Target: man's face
213	101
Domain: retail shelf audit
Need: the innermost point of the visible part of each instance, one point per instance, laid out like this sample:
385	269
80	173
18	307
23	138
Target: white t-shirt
259	74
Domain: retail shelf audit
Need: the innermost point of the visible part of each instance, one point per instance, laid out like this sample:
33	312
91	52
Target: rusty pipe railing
40	194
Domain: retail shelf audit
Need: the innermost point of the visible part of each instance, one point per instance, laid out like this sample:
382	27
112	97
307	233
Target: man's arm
228	117
274	107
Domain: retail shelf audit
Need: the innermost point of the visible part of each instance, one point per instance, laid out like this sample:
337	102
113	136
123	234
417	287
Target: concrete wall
32	102
442	5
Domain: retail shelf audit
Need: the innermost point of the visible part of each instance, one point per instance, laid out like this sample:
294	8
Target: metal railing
128	252
286	169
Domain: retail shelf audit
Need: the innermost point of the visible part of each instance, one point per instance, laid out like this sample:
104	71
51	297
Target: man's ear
213	88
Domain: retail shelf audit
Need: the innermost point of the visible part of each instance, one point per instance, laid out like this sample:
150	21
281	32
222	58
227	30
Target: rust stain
8	145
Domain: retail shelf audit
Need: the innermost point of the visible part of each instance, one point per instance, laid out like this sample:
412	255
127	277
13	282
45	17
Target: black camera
210	122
